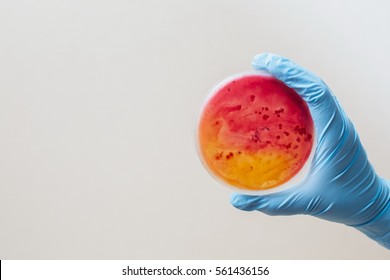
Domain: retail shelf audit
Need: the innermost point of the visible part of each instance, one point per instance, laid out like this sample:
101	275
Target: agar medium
255	133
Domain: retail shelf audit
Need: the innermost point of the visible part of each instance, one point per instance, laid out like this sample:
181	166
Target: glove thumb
271	204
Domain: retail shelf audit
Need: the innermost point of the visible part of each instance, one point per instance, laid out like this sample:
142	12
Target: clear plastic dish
255	134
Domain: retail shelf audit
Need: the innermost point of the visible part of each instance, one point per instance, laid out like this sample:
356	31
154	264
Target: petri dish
255	134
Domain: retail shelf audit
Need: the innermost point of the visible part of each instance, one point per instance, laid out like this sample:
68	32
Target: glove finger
271	204
307	84
322	104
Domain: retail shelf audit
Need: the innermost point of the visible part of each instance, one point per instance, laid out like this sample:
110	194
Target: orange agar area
255	133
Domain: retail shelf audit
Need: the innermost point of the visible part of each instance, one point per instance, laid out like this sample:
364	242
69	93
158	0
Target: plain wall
97	103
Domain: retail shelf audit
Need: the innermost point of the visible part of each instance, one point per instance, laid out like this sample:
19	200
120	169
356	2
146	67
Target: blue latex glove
341	186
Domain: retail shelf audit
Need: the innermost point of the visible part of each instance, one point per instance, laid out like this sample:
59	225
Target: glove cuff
379	228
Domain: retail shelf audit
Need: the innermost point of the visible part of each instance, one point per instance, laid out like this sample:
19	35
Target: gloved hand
341	186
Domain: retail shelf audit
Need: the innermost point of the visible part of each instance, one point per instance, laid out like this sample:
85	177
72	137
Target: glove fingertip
259	61
263	60
246	202
235	200
238	201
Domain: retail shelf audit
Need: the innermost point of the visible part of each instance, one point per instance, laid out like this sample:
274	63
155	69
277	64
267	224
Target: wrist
378	228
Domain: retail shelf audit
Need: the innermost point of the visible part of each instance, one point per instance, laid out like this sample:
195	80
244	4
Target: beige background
97	100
